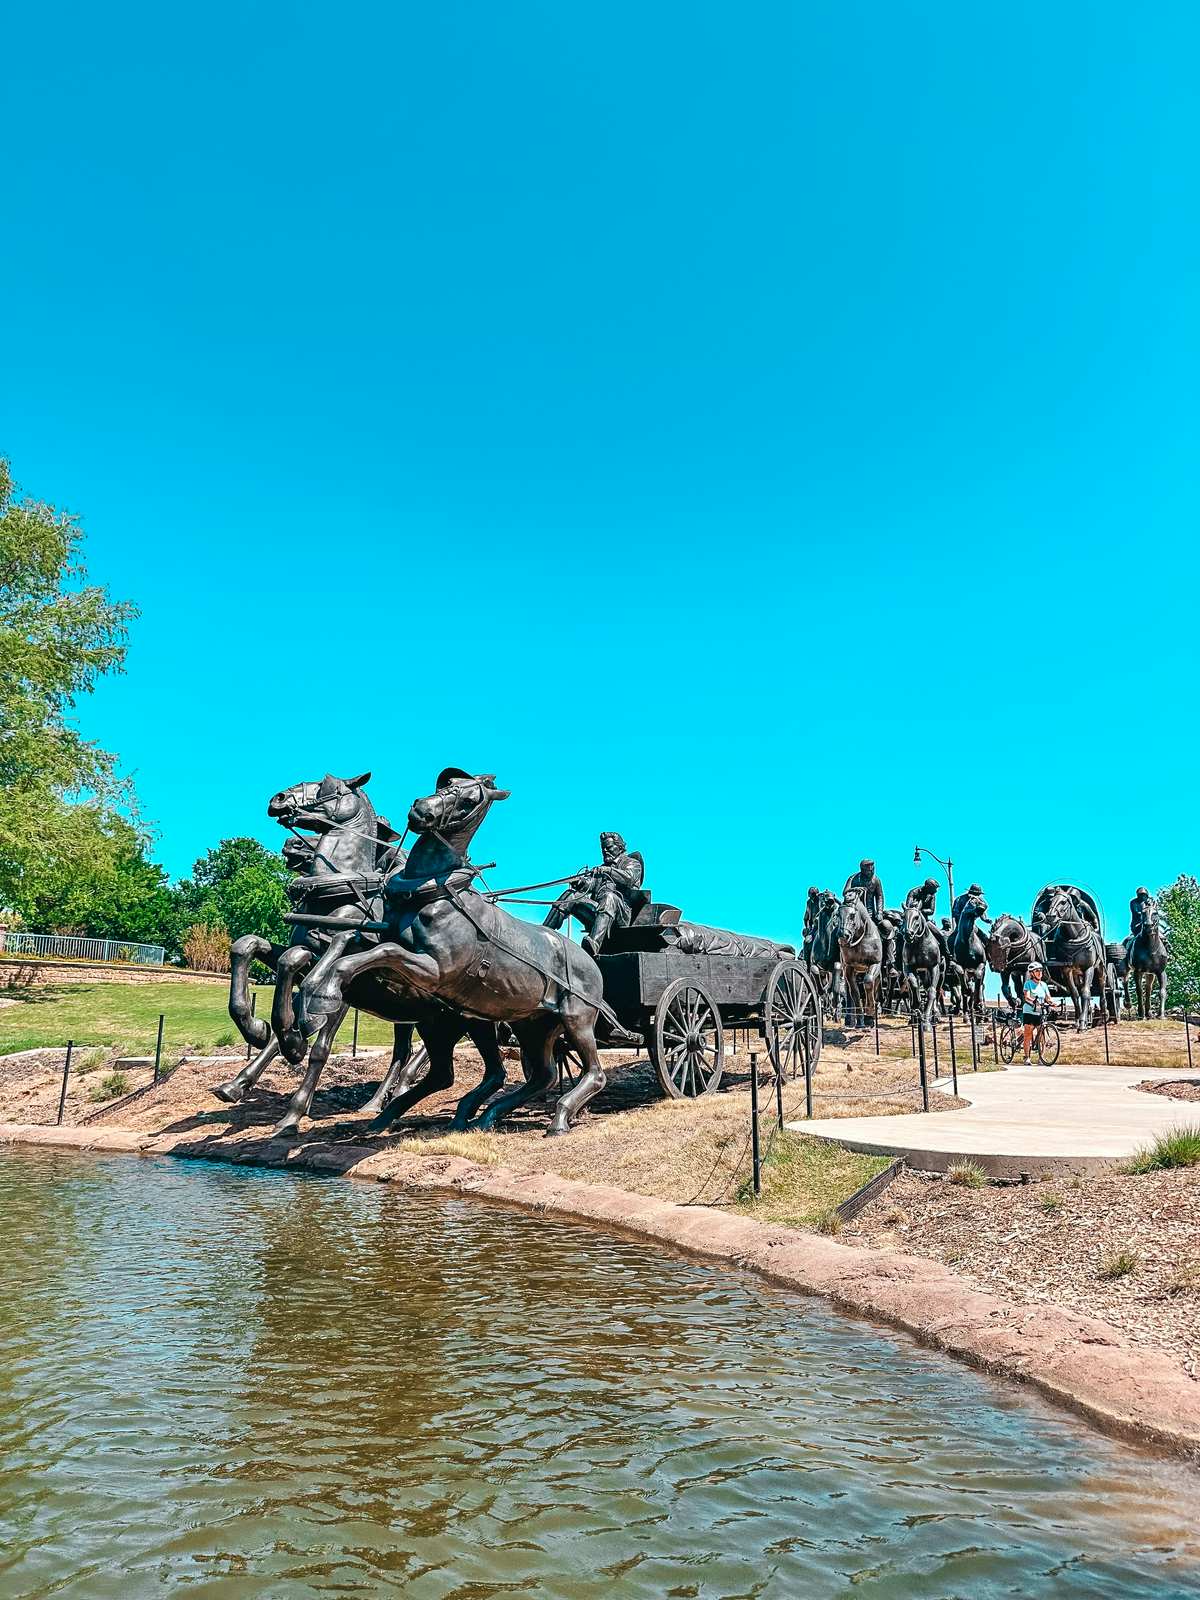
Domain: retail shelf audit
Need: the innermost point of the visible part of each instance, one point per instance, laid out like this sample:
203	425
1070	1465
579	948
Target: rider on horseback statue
1142	904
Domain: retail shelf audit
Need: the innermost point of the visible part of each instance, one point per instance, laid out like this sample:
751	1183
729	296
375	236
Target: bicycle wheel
1009	1037
1049	1044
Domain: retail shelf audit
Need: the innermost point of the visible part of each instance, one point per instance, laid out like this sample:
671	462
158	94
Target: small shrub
207	948
1185	1279
1051	1204
226	1036
968	1174
1177	1147
110	1088
1119	1265
828	1221
88	1063
897	1217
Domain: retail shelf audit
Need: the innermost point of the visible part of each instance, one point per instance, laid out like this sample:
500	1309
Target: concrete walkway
1032	1120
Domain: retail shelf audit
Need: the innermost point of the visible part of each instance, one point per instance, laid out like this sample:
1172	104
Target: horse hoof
553	1131
291	1047
287	1129
372	1108
230	1092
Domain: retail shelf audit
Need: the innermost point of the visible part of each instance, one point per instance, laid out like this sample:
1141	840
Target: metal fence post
924	1073
953	1063
953	1054
937	1071
1104	1020
158	1047
876	1024
779	1100
754	1156
996	1034
808	1070
354	1045
62	1096
1187	1034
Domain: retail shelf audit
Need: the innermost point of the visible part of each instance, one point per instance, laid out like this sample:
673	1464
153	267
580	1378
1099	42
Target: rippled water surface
232	1383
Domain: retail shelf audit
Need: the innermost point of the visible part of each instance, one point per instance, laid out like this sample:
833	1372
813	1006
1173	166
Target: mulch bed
1050	1242
1176	1089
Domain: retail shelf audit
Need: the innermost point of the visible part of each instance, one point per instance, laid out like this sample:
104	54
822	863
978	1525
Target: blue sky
770	431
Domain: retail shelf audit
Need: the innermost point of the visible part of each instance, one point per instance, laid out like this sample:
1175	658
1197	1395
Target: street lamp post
947	866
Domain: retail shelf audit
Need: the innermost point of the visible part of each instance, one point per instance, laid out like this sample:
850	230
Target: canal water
225	1382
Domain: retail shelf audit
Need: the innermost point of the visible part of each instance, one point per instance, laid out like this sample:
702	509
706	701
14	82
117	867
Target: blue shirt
1034	995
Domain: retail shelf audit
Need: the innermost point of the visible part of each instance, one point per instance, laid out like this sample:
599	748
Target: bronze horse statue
860	945
352	843
922	961
451	945
340	885
1011	946
1148	963
1075	953
969	954
825	960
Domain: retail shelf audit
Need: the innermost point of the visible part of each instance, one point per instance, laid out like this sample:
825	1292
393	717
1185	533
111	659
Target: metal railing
77	947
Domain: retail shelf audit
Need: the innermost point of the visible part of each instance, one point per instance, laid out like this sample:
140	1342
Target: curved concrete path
1024	1120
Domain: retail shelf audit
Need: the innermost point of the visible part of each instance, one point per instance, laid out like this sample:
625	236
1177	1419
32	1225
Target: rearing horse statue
334	873
340	882
448	943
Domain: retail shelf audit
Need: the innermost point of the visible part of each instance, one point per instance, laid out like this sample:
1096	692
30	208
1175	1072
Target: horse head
1061	908
457	806
1007	939
915	921
322	807
852	920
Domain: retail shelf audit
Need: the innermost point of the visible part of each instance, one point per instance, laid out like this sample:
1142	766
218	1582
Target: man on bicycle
1034	997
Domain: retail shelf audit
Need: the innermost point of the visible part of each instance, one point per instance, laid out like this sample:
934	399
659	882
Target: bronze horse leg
403	1066
301	1101
439	1039
242	952
233	1091
491	1083
536	1036
294	961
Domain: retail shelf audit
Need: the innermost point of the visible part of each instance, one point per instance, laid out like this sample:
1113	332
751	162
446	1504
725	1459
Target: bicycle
1046	1040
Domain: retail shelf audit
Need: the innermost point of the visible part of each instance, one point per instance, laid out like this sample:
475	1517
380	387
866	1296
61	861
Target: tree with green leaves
238	885
1179	906
65	812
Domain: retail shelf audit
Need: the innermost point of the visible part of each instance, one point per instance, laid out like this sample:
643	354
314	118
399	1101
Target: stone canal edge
1079	1362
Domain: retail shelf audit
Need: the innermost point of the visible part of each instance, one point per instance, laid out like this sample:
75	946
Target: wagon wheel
688	1043
791	1014
569	1065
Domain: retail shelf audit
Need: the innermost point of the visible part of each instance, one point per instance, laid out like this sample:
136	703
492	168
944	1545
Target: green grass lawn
126	1015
